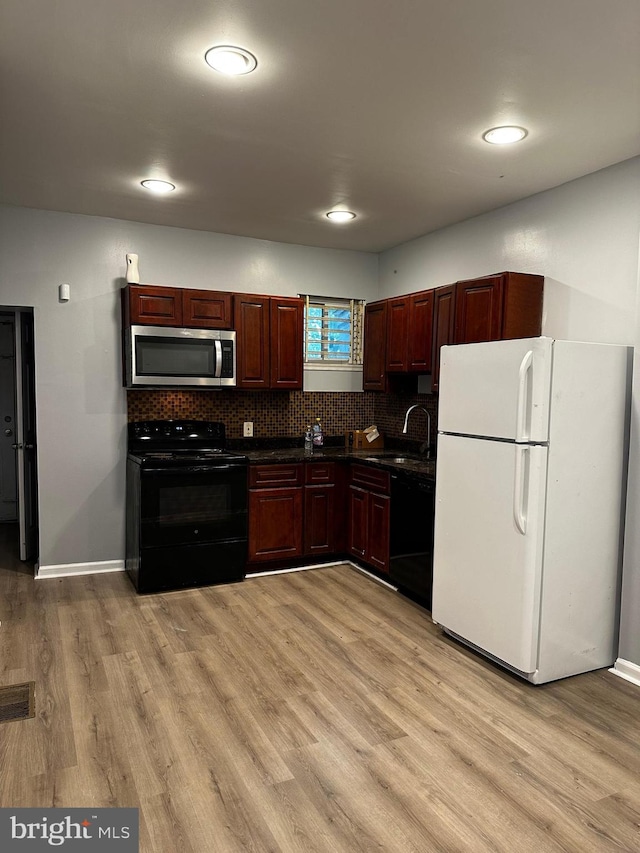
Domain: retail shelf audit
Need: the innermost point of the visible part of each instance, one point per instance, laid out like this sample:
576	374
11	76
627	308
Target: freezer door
499	389
488	545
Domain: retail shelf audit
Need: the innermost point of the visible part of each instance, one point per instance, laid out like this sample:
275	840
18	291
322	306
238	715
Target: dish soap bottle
308	438
318	436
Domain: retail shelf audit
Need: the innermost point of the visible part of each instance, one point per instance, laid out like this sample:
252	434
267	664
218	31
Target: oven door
193	504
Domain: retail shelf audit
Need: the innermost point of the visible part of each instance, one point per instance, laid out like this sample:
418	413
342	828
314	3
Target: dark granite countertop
395	461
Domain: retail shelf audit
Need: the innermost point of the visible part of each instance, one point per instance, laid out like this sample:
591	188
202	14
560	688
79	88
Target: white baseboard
627	670
372	576
295	569
64	570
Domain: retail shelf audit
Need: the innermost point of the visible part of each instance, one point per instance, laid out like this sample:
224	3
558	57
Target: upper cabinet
405	334
444	305
151	305
287	342
397	329
374	376
206	309
269	341
146	304
498	307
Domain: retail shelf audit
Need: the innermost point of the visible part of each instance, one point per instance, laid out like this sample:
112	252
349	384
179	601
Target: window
332	331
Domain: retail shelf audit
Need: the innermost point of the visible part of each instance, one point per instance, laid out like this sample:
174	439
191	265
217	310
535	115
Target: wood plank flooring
309	712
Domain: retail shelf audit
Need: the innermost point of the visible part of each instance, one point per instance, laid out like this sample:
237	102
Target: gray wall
81	405
584	238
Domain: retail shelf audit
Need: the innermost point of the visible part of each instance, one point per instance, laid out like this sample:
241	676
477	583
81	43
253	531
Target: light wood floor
315	711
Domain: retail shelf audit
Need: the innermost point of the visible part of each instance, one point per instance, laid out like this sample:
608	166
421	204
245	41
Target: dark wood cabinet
420	332
252	322
152	305
374	374
287	344
369	516
443	326
275	512
324	516
397	334
275	524
296	510
319	513
269	341
378	544
206	309
358	522
409	333
498	307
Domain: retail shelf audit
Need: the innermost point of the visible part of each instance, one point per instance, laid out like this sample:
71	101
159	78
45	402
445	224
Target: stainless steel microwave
165	357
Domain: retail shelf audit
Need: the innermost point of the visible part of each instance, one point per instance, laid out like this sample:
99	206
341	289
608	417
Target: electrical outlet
247	430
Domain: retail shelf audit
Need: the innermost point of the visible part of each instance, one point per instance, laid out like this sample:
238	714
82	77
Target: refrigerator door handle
522	456
521	413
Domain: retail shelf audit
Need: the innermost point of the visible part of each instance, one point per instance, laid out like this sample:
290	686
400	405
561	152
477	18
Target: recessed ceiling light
231	60
504	135
340	215
158	187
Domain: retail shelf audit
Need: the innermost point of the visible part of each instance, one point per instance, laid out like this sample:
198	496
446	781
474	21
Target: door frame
27	493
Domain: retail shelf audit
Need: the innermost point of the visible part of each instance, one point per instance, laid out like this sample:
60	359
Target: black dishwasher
411	536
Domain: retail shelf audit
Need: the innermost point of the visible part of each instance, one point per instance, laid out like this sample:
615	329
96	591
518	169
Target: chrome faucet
425	444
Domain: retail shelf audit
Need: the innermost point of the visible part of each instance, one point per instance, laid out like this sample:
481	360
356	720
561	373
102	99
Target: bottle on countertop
308	438
318	435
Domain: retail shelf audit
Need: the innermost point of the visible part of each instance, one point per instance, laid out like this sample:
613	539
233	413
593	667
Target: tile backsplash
284	414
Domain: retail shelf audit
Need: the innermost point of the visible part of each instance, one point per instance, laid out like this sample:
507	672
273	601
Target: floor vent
17	702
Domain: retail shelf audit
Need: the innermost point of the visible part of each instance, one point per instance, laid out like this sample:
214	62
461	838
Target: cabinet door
378	544
206	309
275	524
420	332
251	315
374	377
443	326
523	294
319	514
479	310
287	324
151	305
397	331
358	522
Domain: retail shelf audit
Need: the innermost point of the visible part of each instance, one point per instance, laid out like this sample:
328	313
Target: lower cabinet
275	512
369	514
302	511
296	510
324	515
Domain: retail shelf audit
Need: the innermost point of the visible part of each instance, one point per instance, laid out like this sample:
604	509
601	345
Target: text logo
79	830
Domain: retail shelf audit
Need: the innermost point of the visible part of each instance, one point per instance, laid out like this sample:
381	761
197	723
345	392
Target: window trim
356	318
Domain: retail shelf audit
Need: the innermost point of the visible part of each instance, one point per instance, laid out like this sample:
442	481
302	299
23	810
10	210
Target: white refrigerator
530	491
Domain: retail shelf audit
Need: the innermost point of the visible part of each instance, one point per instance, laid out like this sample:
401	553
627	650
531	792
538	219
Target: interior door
8	481
487	566
500	389
26	451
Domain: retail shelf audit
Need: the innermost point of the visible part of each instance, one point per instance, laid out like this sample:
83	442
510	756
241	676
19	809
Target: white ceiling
376	105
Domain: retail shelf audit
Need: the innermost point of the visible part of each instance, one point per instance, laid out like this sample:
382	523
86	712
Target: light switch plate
247	430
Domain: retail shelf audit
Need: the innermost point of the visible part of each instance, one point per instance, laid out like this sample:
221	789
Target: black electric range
186	506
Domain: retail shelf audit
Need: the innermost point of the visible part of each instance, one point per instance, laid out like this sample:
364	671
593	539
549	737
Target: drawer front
320	472
272	476
370	478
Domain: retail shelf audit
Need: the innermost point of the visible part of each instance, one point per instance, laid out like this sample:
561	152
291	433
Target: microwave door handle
218	372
